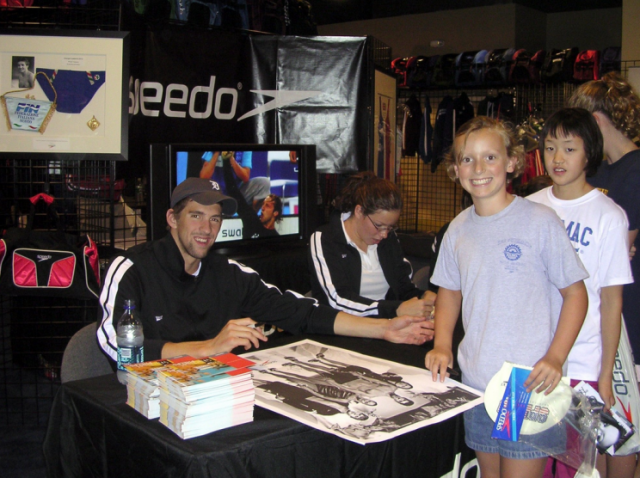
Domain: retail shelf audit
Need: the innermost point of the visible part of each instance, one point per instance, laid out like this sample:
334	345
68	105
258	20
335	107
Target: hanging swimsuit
75	88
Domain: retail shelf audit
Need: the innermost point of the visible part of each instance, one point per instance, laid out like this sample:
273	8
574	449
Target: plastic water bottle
130	340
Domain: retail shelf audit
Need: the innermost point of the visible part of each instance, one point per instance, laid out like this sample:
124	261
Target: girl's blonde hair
614	97
514	150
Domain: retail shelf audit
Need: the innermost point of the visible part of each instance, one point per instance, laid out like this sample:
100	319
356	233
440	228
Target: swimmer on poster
22	76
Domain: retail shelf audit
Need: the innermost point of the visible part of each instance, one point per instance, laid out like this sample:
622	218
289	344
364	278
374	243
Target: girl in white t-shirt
597	227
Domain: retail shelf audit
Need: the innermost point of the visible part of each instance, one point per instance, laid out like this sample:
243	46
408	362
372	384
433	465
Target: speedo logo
622	377
42	258
502	419
176	100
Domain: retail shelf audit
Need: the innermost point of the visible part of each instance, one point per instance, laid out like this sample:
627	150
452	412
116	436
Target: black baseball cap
205	192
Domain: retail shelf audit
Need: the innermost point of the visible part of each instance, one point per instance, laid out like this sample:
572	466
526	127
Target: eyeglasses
381	228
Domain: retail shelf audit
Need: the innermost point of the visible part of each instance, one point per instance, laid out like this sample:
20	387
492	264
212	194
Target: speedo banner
625	389
222	86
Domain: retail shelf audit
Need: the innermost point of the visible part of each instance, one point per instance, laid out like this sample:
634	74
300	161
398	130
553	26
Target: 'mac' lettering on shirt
578	234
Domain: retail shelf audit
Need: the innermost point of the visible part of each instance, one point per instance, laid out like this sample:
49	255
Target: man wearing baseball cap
196	303
203	191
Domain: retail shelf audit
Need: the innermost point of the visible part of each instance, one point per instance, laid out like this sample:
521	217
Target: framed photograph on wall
64	95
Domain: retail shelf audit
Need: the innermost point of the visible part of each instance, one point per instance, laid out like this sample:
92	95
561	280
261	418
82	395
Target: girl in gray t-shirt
521	281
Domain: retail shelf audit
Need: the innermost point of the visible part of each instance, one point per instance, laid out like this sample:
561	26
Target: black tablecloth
93	433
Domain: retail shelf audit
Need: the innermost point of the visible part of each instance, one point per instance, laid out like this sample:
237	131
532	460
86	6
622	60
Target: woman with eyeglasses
357	264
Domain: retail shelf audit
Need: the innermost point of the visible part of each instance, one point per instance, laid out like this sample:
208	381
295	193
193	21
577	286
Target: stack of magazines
143	391
204	395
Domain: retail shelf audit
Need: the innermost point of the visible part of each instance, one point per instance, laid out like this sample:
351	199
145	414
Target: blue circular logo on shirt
512	252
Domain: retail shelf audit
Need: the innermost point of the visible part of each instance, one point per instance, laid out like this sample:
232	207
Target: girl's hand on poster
437	361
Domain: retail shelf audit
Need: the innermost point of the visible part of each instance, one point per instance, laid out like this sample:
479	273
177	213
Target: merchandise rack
432	199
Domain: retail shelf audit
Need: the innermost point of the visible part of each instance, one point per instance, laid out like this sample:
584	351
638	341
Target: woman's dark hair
370	192
580	123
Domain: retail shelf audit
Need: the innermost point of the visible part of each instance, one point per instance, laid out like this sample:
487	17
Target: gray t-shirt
509	267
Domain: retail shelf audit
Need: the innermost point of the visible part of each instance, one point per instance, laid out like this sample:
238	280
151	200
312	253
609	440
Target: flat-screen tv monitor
274	186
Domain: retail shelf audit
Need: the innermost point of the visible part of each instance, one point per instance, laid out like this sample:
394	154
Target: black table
93	433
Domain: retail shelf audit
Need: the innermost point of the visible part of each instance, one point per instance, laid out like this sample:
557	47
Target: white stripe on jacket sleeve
107	329
323	275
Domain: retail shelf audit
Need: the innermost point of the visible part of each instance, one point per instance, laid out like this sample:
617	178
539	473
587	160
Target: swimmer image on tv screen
265	184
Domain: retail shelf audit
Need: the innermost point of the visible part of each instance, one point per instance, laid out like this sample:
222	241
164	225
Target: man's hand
401	330
416	307
236	333
437	360
408	330
429	296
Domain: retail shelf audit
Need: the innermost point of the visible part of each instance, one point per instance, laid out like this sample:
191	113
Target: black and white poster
356	397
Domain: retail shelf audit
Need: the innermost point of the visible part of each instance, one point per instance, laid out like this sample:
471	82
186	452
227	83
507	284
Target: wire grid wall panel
86	197
381	53
433	199
78	187
33	336
543	99
34	331
625	65
430	200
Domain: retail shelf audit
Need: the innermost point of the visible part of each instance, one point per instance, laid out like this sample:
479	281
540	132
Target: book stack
143	392
205	395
